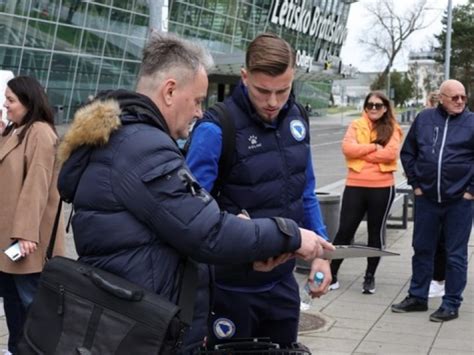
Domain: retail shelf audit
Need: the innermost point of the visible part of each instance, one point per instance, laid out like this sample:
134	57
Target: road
328	161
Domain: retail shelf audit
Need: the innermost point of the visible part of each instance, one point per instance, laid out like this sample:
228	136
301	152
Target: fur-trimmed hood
92	127
95	122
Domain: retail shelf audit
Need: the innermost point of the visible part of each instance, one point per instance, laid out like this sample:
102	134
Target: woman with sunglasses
371	147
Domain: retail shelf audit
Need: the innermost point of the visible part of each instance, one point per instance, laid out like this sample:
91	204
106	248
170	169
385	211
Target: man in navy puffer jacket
438	158
138	210
271	174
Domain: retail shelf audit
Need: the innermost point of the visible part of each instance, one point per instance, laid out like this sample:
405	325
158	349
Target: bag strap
54	232
228	145
303	112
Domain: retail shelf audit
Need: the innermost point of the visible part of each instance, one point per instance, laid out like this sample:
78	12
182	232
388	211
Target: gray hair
166	55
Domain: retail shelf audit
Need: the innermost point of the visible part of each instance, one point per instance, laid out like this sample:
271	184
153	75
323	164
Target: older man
438	158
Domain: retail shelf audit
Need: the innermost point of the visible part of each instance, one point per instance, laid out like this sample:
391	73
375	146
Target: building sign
304	60
295	15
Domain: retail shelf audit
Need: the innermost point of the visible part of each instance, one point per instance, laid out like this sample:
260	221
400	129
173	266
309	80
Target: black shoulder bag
80	309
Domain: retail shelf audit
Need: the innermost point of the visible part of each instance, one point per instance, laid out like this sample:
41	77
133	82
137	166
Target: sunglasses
374	105
456	98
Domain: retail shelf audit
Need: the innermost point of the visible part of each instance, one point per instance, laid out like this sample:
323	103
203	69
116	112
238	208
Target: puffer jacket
438	154
267	176
139	212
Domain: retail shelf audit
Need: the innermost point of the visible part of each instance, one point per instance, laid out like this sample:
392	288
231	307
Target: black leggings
356	202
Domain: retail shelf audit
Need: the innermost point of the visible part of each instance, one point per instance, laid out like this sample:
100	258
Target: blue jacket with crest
267	177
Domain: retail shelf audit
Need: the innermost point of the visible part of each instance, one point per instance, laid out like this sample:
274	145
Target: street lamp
447	54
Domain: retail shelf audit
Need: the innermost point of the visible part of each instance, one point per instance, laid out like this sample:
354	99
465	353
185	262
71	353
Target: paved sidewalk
365	324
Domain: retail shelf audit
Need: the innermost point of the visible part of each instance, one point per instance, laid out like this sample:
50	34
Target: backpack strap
303	112
228	145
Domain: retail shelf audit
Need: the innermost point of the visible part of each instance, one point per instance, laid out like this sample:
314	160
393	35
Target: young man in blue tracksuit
438	159
271	175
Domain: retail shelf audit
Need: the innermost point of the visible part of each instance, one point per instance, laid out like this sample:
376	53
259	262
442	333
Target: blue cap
318	277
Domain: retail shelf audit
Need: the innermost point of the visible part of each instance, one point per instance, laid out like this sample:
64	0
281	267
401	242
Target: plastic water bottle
305	293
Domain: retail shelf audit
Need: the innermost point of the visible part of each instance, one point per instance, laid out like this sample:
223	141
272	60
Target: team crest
224	328
298	130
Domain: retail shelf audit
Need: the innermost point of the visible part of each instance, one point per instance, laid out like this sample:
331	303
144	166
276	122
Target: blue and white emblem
224	328
298	130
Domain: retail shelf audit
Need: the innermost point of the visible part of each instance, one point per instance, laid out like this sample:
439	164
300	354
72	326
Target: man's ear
168	91
244	75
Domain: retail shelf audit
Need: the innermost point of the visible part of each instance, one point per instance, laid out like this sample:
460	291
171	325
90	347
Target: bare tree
389	30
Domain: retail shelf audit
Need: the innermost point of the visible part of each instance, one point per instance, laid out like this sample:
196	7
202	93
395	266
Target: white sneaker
304	306
5	352
436	289
334	286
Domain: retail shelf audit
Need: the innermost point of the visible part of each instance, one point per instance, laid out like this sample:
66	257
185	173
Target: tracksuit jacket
437	155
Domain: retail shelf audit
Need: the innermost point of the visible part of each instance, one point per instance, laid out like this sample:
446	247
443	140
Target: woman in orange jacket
371	146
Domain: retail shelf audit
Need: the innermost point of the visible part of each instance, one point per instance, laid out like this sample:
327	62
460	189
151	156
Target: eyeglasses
456	98
374	105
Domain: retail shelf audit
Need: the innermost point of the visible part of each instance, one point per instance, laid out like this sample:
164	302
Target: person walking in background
371	147
271	174
439	271
438	159
28	195
139	212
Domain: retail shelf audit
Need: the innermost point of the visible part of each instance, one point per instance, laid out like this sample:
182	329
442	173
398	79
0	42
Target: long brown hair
31	95
386	124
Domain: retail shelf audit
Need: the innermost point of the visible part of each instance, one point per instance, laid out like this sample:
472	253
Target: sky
353	53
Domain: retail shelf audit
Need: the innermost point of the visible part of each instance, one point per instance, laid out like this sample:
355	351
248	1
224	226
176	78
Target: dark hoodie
135	214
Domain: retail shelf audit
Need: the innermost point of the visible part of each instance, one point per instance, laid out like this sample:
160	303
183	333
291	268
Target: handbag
81	309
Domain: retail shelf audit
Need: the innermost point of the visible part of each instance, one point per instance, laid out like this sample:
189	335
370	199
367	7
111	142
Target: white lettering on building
294	15
303	60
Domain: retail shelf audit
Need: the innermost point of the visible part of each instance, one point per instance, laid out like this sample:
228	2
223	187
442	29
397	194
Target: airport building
76	48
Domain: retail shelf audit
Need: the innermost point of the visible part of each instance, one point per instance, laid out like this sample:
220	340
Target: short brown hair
269	54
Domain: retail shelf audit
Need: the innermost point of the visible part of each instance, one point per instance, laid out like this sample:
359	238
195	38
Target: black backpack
228	142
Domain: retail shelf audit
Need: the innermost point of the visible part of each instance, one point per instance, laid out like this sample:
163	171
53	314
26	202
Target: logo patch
298	130
224	328
254	144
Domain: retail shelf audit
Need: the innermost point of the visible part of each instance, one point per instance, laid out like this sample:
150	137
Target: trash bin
330	206
58	114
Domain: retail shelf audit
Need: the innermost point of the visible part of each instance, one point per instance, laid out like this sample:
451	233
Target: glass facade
79	47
